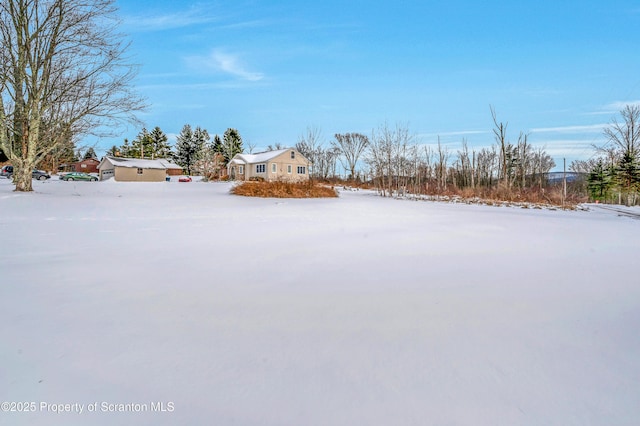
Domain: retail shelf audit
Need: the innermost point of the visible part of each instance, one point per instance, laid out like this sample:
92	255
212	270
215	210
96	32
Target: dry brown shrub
501	193
280	189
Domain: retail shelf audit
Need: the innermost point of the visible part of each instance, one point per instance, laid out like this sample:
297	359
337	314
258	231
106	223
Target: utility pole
564	180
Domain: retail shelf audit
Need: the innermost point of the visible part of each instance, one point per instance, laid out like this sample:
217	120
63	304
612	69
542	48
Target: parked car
40	175
78	176
184	179
7	171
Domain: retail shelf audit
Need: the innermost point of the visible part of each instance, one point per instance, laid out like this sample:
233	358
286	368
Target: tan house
283	164
136	169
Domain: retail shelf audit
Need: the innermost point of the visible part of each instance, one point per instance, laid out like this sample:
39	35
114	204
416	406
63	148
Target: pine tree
231	145
217	145
624	143
114	151
91	153
159	144
142	146
125	149
628	172
201	138
599	181
189	146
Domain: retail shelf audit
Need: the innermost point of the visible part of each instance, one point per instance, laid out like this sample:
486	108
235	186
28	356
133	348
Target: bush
281	189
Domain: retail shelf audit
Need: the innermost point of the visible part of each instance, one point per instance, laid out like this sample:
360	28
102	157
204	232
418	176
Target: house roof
260	157
87	159
139	163
169	164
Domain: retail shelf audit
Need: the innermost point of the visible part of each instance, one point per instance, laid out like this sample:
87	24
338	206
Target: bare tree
251	146
326	162
390	158
441	165
276	147
467	166
500	133
380	159
63	74
487	165
523	162
309	145
541	164
625	137
351	145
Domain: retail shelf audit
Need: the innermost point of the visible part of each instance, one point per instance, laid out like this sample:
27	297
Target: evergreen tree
142	145
114	151
628	172
231	145
201	137
217	145
189	146
91	153
125	149
159	144
599	181
624	143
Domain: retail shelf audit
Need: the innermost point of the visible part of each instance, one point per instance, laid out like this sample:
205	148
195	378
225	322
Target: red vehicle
184	179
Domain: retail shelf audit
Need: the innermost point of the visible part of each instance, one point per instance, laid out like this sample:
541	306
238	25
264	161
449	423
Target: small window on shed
139	171
293	155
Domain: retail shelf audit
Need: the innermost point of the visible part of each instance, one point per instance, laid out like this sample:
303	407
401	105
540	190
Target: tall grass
279	189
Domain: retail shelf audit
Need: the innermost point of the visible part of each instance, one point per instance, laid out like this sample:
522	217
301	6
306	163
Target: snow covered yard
171	303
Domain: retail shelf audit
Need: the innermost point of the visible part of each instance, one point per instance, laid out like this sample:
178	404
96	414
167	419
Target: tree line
613	173
194	150
396	163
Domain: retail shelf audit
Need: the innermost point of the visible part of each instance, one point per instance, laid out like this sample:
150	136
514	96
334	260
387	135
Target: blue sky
559	70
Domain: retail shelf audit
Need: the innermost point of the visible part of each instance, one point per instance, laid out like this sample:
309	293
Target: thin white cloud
457	133
231	64
614	108
180	19
563	145
228	63
193	86
591	128
247	24
620	105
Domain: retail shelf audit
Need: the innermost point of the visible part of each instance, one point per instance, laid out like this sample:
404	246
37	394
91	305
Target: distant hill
556	177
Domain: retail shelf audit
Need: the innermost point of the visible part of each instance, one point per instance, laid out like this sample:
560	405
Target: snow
160	163
355	310
259	157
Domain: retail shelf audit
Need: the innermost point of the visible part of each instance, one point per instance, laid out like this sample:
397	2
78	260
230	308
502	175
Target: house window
274	168
289	168
260	168
240	170
293	155
84	166
302	170
139	171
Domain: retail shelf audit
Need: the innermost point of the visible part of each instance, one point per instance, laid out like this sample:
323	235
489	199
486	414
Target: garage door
106	174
